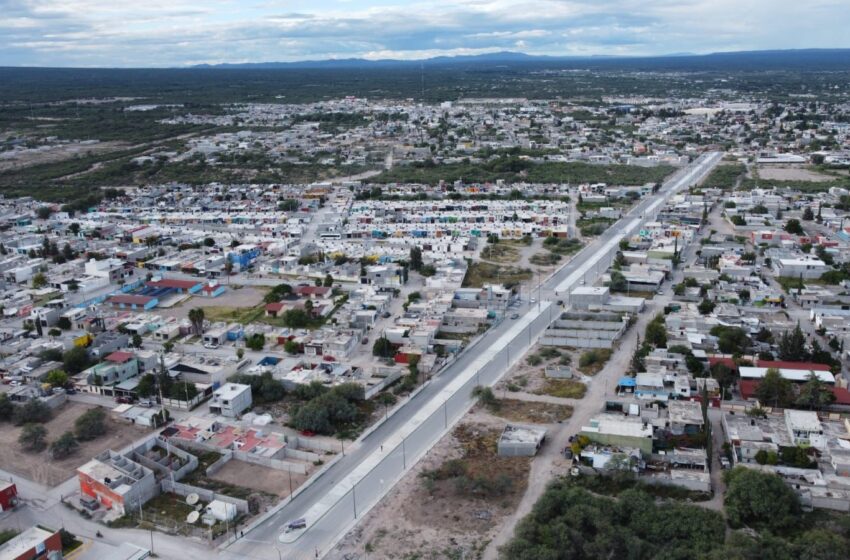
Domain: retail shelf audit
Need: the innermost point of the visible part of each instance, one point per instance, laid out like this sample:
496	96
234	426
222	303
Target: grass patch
614	485
500	253
592	361
563	246
545	259
563	388
243	315
480	273
516	410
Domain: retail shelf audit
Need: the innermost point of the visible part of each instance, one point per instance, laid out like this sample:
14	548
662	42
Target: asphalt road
262	541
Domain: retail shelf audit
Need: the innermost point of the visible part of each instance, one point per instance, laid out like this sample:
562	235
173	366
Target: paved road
262	541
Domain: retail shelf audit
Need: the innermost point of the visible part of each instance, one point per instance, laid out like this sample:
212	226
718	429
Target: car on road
532	300
724	463
210	346
515	316
660	292
295	525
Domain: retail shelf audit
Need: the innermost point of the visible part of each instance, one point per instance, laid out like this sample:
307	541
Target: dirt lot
792	173
243	297
57	153
40	468
257	477
525	412
432	513
528	374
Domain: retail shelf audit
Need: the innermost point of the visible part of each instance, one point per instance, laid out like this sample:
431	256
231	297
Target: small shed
520	441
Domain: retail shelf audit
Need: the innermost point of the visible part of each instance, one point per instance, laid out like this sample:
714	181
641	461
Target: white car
210	346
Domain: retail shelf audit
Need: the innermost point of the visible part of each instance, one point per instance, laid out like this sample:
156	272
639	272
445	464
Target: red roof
792	365
127	299
119	357
277	306
311	290
173	283
748	390
728	362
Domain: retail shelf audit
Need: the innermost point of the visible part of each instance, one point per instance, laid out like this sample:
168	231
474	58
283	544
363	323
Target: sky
157	33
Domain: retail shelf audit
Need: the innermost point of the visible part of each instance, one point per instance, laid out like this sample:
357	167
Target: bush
91	424
33	437
256	342
33	411
64	446
760	500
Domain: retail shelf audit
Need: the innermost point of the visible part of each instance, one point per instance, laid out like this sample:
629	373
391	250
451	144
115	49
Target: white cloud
178	32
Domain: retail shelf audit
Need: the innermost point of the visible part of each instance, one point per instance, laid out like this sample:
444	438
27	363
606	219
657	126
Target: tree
33	437
291	347
656	332
382	348
256	342
183	391
724	375
7	409
146	386
774	390
34	411
39	281
43	212
793	226
91	424
760	500
209	242
792	345
415	258
74	228
167	346
815	394
618	282
136	340
196	317
240	353
808	215
64	323
56	377
296	318
75	360
65	446
705	307
329	281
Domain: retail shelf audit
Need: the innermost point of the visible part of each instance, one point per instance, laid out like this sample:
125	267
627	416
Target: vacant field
233	301
500	253
39	467
480	273
257	477
450	505
563	388
792	173
534	412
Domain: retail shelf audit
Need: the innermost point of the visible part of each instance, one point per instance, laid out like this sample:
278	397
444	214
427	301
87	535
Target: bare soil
792	173
39	467
430	521
231	300
258	477
515	410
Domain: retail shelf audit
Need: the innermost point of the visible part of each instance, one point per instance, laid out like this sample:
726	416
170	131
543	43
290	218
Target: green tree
656	332
39	281
291	347
91	424
329	281
383	348
793	226
196	317
136	340
7	409
759	500
296	318
34	411
705	307
774	390
808	215
618	282
64	323
56	377
75	360
792	345
33	437
65	446
415	258
256	341
815	394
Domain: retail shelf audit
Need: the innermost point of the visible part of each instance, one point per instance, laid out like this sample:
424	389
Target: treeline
725	176
513	169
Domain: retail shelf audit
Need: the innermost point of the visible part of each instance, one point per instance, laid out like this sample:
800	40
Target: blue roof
626	382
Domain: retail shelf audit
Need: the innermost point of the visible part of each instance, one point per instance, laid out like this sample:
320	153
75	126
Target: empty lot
39	467
257	477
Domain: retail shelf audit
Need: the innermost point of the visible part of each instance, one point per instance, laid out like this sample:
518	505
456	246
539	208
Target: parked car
210	346
724	463
124	400
89	503
515	316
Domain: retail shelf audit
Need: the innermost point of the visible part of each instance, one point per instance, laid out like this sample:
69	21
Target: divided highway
321	500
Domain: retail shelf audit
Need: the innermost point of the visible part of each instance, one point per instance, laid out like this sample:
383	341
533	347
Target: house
117	482
35	542
620	431
808	268
116	367
231	399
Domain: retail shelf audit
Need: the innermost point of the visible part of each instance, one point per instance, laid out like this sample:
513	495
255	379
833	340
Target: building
8	496
808	268
620	431
231	399
35	542
520	441
117	482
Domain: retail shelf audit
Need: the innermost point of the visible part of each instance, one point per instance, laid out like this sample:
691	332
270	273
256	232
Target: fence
277	464
456	402
207	495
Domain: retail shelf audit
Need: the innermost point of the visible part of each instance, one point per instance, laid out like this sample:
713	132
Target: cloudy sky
183	32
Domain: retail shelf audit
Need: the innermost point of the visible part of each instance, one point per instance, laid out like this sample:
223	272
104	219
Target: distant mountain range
814	59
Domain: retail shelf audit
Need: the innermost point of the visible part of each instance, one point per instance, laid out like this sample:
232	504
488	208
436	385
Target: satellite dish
192	517
192	499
